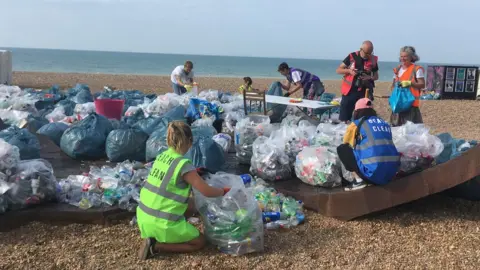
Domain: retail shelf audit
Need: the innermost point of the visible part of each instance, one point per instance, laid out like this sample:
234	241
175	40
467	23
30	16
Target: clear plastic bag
13	117
233	222
415	140
83	110
162	104
269	160
209	95
318	166
224	140
247	131
33	183
9	155
329	135
203	122
56	115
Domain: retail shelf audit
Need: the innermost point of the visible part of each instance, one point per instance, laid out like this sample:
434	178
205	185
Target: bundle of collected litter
278	211
319	166
247	131
269	160
105	186
232	222
23	183
452	147
418	148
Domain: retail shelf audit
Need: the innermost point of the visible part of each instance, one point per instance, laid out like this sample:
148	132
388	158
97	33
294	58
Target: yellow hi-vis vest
164	197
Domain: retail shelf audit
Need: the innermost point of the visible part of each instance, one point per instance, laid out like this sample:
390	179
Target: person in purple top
311	84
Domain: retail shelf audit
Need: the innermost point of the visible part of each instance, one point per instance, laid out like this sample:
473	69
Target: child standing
164	198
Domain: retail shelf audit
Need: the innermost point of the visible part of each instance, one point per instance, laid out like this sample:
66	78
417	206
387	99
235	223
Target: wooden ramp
347	205
337	203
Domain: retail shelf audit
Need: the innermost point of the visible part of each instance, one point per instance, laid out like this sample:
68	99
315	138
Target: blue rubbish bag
68	106
80	94
150	124
26	142
86	139
177	113
36	122
126	144
206	153
53	131
277	110
401	99
451	147
199	108
156	144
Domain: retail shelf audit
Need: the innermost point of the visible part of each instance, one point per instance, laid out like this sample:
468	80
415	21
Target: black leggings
345	153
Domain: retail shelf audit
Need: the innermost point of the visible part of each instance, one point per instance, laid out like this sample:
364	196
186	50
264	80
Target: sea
50	60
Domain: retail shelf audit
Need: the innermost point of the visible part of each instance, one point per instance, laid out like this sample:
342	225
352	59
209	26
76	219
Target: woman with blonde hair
164	198
409	74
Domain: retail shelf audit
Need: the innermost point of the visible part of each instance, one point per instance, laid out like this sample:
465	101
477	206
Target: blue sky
442	31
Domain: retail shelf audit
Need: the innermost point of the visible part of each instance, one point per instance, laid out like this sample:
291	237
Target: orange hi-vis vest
349	79
409	75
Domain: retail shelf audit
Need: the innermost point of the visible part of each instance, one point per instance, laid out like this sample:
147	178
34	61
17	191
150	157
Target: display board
453	82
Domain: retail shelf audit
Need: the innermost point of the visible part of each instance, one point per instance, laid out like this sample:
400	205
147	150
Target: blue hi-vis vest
376	155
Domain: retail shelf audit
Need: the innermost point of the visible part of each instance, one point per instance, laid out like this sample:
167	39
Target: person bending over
368	150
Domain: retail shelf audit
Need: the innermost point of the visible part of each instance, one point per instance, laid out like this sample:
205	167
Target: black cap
283	66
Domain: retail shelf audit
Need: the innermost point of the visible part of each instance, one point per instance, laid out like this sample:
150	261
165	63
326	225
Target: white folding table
311	104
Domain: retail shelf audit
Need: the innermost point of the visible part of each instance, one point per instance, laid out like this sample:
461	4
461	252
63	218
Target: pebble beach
438	232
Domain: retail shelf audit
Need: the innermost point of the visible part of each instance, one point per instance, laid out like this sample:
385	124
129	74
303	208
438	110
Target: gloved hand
405	83
226	190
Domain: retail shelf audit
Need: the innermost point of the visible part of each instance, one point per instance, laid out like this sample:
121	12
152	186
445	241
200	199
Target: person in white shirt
182	76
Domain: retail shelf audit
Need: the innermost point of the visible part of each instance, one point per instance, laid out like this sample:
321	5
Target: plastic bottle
195	89
272	216
247	179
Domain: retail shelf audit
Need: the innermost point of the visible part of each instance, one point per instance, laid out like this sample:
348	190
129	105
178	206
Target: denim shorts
178	89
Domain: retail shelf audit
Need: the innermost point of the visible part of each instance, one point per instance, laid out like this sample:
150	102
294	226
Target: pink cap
363	103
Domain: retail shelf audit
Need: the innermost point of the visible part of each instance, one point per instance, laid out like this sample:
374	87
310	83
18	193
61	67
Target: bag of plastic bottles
162	104
86	139
224	140
247	131
269	160
329	135
53	131
126	144
415	140
199	108
26	142
9	156
232	222
319	166
33	183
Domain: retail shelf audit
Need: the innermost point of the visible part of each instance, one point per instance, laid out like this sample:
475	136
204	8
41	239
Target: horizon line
235	56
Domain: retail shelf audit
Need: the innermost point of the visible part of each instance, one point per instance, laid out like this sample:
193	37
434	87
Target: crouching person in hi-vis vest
368	150
164	198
